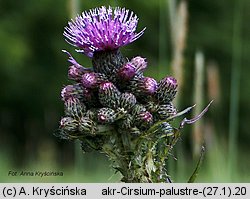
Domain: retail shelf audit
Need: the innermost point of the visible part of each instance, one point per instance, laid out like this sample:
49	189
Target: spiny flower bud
166	90
109	95
146	116
166	110
74	108
127	101
134	84
108	63
165	128
75	72
69	124
148	85
144	119
70	91
106	115
93	80
139	63
126	122
87	126
126	72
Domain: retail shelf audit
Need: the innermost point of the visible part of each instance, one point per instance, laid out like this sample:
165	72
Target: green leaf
198	166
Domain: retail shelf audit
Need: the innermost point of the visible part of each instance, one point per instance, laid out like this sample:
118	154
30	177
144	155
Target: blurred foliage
33	70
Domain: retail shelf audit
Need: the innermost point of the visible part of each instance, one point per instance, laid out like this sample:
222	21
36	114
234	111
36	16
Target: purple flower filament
102	29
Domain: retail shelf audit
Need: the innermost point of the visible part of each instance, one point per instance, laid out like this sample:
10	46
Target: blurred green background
204	44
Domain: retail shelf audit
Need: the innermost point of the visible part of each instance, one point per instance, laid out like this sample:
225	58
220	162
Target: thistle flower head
87	126
109	95
89	80
106	86
148	85
70	91
139	63
166	90
102	29
146	116
68	124
106	115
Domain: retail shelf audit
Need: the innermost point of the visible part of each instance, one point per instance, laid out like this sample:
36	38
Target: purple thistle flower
68	124
106	115
109	95
89	80
146	117
102	29
70	91
127	101
76	72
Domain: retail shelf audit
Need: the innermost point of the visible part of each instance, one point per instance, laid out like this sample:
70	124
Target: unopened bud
127	101
87	126
75	72
126	72
144	119
106	115
109	95
139	63
92	80
166	90
74	108
72	91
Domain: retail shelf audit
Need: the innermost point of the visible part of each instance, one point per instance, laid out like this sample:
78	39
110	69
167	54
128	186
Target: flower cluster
112	106
133	102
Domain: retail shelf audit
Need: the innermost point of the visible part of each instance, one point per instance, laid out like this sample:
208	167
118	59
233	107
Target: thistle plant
112	107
